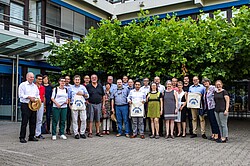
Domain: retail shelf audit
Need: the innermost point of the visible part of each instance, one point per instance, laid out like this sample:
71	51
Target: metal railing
35	30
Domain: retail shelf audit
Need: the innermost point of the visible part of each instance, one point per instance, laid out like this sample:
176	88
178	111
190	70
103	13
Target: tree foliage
146	47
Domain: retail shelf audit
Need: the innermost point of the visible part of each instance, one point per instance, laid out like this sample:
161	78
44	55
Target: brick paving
110	150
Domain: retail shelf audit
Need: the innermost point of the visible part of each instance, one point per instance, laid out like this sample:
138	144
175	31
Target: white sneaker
53	137
63	137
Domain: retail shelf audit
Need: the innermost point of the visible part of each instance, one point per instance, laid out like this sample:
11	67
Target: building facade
28	26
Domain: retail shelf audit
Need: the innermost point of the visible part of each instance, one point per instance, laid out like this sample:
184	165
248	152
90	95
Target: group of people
127	103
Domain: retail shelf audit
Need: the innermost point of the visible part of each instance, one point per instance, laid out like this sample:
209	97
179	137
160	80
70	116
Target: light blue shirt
112	88
120	96
145	89
197	89
73	90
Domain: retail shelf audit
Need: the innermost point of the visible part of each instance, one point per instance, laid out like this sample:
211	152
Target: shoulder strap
55	93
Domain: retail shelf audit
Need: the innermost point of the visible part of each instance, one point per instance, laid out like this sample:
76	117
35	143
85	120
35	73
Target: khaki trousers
194	121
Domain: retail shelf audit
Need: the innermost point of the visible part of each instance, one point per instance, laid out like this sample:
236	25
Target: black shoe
193	135
83	136
33	139
211	138
99	135
204	136
77	136
221	141
40	137
22	140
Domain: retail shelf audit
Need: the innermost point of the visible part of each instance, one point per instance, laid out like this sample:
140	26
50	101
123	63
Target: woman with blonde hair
222	99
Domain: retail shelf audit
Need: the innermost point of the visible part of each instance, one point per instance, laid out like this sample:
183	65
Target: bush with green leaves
170	47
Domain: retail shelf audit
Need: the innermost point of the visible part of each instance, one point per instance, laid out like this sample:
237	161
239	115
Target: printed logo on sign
137	110
193	101
79	103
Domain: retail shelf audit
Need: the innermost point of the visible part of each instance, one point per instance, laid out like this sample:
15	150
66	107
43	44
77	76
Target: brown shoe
133	136
90	135
118	135
127	135
68	132
142	137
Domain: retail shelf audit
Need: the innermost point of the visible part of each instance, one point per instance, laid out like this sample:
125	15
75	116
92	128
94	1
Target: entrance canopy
26	48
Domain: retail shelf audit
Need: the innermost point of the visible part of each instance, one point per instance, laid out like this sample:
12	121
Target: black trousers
68	118
161	123
145	119
190	121
27	116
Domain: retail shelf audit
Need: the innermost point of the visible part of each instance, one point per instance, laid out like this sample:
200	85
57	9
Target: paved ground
110	150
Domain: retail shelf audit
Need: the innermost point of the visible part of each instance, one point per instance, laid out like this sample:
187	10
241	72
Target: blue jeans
122	115
213	122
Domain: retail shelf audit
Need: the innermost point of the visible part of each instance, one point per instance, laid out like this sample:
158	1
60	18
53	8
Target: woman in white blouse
59	109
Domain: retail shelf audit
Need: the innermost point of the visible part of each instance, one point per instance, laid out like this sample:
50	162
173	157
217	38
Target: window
38	12
79	23
35	13
90	23
16	13
53	15
1	12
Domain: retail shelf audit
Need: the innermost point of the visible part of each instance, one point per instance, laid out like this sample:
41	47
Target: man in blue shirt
112	86
78	89
119	102
197	88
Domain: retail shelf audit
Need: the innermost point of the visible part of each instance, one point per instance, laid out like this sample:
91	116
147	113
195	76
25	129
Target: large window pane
16	11
53	15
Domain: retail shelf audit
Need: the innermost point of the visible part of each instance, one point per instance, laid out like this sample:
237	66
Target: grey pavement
110	150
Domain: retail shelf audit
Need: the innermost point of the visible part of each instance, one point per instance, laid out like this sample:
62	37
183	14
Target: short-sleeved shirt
73	90
60	97
95	93
197	89
220	102
186	88
120	96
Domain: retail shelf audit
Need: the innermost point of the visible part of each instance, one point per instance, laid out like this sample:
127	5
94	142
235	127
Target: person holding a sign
60	100
196	91
136	99
28	91
170	106
77	95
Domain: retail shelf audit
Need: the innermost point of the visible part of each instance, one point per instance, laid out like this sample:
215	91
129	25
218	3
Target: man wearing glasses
39	120
119	105
146	88
197	88
78	89
137	96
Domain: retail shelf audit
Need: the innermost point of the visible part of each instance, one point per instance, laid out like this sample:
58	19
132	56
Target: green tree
170	47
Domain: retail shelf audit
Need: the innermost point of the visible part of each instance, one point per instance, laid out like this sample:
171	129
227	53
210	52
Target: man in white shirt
136	95
146	88
161	88
28	91
67	86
